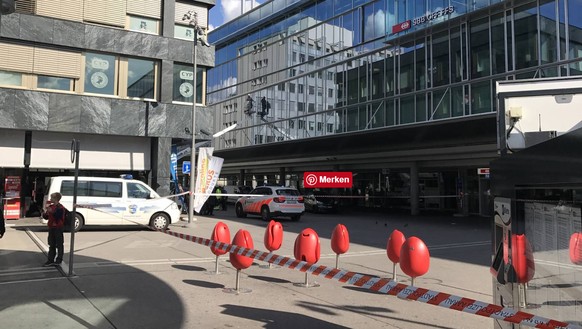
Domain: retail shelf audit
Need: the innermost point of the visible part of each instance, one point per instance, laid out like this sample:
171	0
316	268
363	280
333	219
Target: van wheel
160	221
265	213
239	211
77	225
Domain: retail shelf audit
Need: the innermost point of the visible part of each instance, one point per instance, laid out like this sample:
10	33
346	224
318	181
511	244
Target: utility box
537	188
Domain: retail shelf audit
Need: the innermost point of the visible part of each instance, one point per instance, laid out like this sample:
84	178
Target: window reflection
141	78
10	78
46	82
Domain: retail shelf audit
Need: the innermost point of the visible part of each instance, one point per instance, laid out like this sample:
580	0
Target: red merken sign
401	27
328	179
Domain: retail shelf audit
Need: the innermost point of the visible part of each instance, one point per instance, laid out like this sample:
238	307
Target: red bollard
221	233
243	239
273	237
576	248
414	258
307	249
340	241
393	247
522	258
523	263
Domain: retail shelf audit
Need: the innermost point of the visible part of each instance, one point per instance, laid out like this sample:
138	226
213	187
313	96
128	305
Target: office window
330	92
183	32
141	78
319	126
310	107
100	74
142	24
183	89
55	83
329	127
301	124
300	106
291	87
311	125
300	89
311	90
10	78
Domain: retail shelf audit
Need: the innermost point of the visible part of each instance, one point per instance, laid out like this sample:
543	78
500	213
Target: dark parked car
320	201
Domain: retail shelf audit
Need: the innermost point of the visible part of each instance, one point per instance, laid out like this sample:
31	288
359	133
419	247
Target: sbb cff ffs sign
328	179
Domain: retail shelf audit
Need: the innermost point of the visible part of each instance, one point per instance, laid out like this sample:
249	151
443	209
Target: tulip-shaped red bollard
523	263
221	233
307	248
273	237
393	247
576	248
414	258
241	239
340	241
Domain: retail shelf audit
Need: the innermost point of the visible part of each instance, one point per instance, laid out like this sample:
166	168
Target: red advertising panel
328	179
12	201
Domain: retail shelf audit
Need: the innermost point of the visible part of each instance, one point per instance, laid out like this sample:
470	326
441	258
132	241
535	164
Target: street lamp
192	18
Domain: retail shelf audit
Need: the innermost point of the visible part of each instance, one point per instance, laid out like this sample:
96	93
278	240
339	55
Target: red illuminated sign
483	171
422	19
328	179
401	27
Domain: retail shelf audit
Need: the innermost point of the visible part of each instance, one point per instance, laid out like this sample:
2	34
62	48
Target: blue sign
173	165
186	167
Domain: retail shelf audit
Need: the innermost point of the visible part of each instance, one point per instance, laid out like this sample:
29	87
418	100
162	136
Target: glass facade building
407	80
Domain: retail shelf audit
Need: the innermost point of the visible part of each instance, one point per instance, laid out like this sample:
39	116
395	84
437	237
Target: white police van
114	201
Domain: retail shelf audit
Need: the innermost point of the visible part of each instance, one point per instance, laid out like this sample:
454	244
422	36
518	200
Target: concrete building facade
115	74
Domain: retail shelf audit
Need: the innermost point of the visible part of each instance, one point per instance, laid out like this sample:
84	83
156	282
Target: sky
225	10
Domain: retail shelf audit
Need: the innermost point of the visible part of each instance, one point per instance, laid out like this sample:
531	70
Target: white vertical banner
207	172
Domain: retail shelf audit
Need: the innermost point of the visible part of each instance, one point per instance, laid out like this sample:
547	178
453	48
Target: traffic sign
186	167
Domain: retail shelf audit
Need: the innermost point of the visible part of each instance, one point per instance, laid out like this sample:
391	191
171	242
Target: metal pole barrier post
75	150
193	152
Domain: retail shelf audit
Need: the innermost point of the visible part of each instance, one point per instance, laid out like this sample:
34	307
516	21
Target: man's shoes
48	263
57	263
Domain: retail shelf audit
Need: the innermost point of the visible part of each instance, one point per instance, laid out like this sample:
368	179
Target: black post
75	150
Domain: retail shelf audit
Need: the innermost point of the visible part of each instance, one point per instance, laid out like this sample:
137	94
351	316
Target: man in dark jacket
55	213
2	225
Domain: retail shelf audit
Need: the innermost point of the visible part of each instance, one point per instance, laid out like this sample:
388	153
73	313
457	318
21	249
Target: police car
271	201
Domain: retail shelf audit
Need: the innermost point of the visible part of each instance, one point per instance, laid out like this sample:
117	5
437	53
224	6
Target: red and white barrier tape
389	287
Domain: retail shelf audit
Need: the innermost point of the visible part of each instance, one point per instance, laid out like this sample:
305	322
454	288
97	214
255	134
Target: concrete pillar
462	197
414	190
465	209
160	159
241	178
168	18
282	174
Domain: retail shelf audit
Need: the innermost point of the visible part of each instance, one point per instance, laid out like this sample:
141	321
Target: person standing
2	225
55	213
224	198
183	199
